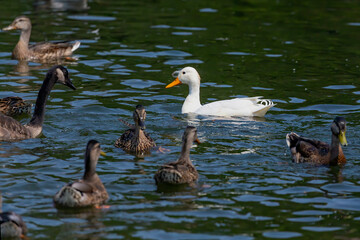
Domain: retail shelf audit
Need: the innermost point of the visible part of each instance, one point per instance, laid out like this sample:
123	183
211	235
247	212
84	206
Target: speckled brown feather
48	50
130	143
176	173
82	194
12	106
12	226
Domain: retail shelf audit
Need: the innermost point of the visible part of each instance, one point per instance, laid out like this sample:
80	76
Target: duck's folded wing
82	187
50	47
307	147
12	129
168	166
253	106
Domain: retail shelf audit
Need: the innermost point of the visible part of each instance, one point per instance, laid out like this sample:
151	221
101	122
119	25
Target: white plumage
252	106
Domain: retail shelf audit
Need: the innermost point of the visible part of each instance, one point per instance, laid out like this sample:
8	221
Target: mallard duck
135	139
39	51
10	129
181	171
88	191
317	152
12	224
12	106
253	106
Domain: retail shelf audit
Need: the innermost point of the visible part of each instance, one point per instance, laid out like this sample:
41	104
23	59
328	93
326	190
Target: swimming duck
88	191
317	152
10	129
12	225
12	106
135	139
181	171
39	51
253	106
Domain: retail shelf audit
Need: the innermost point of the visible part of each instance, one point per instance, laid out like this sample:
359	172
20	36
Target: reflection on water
81	223
24	68
61	5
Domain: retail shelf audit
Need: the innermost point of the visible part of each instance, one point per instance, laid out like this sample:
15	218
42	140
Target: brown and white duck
13	106
135	139
12	225
88	191
39	51
317	152
11	129
181	171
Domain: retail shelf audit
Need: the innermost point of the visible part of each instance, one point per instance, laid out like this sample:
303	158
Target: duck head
187	75
338	128
139	116
21	23
190	135
61	75
92	154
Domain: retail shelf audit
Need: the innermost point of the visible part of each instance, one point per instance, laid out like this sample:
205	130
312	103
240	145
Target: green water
304	55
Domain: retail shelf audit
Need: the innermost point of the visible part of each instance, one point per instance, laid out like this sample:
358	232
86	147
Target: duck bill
142	124
342	138
8	28
102	153
197	141
174	83
70	85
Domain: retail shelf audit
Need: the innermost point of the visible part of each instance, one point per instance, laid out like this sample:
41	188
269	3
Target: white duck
253	106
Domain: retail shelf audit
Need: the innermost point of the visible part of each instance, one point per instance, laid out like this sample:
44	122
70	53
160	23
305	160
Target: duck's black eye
184	72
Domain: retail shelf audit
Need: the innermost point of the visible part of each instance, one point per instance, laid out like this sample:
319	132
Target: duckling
181	171
317	152
10	129
12	106
12	224
88	191
39	51
135	140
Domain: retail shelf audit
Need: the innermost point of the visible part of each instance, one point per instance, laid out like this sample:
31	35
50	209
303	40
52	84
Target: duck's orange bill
174	83
197	141
102	206
8	28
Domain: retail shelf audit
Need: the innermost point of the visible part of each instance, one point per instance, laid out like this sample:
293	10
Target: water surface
303	55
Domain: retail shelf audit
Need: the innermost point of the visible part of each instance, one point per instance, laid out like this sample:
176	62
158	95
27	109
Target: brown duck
88	191
181	171
12	225
317	152
135	139
11	129
39	51
13	106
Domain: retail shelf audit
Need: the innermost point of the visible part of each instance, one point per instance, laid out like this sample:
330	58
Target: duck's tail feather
68	197
75	46
266	105
126	123
291	139
266	102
